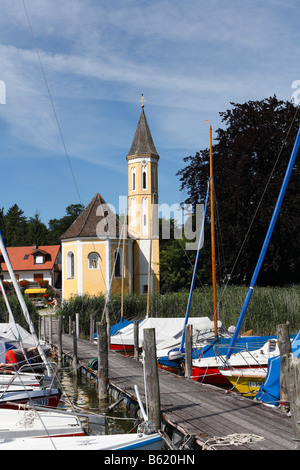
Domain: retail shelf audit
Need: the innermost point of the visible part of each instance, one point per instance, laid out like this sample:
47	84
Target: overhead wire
51	100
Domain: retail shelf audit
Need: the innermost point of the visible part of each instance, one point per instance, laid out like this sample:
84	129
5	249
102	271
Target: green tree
15	224
57	227
2	227
37	232
247	180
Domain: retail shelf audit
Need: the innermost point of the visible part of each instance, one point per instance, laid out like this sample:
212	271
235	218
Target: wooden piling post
92	326
151	378
102	361
284	345
75	357
136	339
59	338
44	328
293	389
188	350
107	319
50	330
77	325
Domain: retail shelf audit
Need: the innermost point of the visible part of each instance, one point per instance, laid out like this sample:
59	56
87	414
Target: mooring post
151	378
102	361
75	358
293	389
50	330
188	350
107	318
92	328
136	339
77	325
284	345
44	327
59	338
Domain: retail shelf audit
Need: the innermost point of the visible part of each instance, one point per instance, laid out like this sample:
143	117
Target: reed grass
268	307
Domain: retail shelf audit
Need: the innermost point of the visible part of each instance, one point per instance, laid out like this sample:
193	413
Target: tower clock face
144	162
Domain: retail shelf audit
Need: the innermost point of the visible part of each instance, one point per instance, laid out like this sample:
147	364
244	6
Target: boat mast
266	242
212	222
200	241
150	257
123	264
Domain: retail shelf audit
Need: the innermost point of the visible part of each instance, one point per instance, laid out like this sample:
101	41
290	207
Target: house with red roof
33	264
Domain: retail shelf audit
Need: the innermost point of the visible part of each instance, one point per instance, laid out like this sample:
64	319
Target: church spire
142	142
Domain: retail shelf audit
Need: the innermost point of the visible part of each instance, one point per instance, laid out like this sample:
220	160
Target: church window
145	288
145	216
133	213
70	265
94	260
144	178
153	180
133	179
118	259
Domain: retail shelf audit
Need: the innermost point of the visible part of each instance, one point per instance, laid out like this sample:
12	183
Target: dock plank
199	410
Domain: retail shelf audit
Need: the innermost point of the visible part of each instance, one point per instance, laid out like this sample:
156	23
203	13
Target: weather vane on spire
142	100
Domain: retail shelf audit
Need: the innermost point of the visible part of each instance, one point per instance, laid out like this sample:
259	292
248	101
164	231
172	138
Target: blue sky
189	58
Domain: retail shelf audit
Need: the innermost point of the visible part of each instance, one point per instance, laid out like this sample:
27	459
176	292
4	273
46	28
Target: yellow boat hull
245	383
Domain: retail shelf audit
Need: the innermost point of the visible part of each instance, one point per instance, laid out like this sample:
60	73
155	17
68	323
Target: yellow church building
100	255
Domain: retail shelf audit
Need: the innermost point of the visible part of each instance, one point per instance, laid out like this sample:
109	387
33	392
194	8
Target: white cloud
190	59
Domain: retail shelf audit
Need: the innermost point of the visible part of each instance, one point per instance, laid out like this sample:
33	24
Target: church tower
142	162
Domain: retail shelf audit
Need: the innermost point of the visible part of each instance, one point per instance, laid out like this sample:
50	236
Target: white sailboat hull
32	424
107	442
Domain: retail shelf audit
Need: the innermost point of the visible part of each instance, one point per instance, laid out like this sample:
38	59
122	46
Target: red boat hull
212	375
122	347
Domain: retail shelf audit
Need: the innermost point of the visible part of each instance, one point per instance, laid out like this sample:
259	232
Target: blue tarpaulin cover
269	392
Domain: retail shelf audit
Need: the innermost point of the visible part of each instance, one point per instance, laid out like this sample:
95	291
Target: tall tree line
250	156
18	230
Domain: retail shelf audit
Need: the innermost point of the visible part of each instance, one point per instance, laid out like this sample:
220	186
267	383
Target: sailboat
269	391
137	441
28	422
207	369
46	395
165	327
214	337
246	382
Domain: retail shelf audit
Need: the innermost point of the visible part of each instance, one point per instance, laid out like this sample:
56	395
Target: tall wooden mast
212	221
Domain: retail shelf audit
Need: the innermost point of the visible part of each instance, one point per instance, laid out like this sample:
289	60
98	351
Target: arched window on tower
144	177
153	180
70	265
133	179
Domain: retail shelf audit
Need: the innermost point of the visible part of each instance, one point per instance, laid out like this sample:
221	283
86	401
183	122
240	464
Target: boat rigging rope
231	440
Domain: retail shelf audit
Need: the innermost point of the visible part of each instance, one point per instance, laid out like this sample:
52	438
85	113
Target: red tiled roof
18	254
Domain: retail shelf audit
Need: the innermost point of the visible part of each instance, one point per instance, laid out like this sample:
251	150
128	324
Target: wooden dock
203	415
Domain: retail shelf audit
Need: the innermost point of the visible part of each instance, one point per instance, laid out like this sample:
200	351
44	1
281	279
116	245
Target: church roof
97	220
142	141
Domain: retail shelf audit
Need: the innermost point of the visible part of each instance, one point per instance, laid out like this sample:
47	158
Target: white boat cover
165	329
8	333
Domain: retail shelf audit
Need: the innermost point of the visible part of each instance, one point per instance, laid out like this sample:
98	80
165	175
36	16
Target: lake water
81	394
